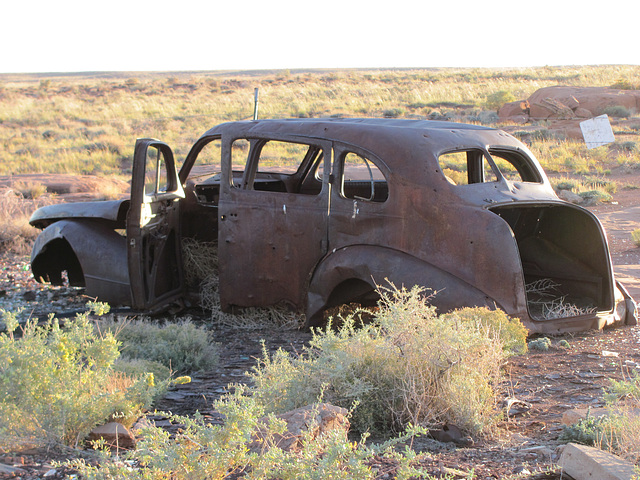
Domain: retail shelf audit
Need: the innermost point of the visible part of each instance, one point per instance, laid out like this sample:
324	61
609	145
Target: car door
273	222
153	228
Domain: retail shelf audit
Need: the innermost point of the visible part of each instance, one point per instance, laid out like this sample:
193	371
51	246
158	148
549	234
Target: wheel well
353	290
54	259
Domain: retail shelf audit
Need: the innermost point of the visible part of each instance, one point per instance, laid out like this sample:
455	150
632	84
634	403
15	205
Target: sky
134	35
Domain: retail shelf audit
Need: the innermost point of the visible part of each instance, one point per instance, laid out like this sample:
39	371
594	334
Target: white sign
597	131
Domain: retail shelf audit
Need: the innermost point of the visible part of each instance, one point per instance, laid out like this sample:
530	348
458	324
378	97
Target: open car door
153	228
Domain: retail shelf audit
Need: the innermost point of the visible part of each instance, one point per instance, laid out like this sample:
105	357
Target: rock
549	107
317	419
557	101
514	110
569	196
451	433
582	463
583	113
9	470
115	434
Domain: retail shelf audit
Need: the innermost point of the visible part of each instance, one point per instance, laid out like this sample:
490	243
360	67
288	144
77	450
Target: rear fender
377	266
91	253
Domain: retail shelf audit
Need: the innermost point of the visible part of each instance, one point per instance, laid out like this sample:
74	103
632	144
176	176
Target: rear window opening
466	167
564	260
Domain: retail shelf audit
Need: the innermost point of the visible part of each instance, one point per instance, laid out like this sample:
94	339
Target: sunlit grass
87	125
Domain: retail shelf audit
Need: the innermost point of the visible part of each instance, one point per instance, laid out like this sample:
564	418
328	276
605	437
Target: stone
9	470
588	463
115	434
583	113
519	108
584	102
317	419
569	196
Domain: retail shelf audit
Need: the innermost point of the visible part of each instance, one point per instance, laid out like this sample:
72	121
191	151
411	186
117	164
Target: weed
617	111
16	235
205	451
58	382
541	344
588	431
495	100
408	365
179	346
619	430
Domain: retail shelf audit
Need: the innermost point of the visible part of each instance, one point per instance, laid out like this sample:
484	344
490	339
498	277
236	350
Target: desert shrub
496	100
541	344
619	430
587	431
16	235
595	196
635	235
407	365
58	382
617	111
205	451
498	325
180	346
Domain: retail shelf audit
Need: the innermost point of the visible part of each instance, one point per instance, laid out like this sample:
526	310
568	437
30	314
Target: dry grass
16	235
87	125
201	268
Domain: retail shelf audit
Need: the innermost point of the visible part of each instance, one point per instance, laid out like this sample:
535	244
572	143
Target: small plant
619	430
541	344
58	382
496	100
180	346
635	235
587	431
617	111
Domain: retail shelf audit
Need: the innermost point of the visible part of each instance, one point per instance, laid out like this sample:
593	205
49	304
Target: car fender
100	251
380	266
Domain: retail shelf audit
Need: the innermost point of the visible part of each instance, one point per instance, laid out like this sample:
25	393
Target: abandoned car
314	213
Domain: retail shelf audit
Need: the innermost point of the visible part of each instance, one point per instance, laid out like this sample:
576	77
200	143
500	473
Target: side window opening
515	166
467	167
156	176
277	166
204	176
362	179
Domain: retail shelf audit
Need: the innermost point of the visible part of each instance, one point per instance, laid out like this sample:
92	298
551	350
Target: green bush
619	430
617	111
58	382
496	100
407	366
205	451
181	346
635	235
541	344
590	430
497	325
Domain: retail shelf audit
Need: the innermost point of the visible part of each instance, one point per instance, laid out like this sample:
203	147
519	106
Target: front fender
94	247
377	265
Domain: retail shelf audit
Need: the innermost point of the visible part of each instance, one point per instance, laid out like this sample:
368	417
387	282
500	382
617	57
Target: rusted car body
315	213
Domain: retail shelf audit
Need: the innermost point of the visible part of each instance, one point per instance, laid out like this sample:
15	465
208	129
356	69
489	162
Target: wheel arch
91	252
359	269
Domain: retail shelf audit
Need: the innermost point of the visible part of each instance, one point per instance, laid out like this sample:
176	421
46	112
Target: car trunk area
564	258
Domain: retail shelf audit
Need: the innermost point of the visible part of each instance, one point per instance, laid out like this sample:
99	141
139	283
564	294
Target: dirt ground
546	384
